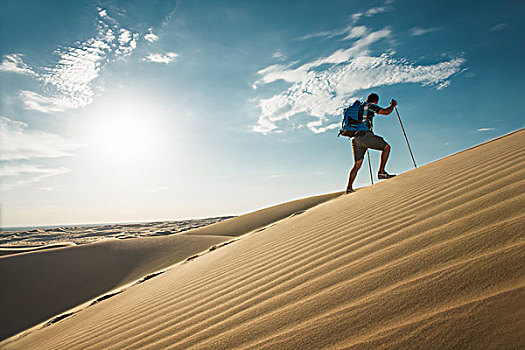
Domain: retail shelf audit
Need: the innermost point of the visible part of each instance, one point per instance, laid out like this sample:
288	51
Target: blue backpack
353	120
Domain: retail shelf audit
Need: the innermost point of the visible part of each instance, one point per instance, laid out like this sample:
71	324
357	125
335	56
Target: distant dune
431	259
13	240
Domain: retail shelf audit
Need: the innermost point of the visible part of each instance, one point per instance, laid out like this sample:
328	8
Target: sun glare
125	134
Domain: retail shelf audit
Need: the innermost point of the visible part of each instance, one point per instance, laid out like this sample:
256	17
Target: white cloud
322	87
151	37
350	32
355	32
17	141
317	35
316	126
370	12
72	75
127	43
124	36
278	55
375	10
69	80
284	72
498	27
485	129
13	63
422	31
356	16
12	176
443	85
40	103
161	58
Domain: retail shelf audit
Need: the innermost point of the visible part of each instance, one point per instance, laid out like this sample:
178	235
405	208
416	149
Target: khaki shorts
368	140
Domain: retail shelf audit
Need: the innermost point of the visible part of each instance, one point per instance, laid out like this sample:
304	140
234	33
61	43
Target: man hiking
363	140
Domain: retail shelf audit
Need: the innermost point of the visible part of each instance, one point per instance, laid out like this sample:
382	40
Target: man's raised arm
389	109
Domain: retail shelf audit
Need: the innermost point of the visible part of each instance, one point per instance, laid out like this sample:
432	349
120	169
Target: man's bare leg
384	157
353	174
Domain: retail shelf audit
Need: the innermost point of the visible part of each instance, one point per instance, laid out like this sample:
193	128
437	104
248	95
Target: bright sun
125	134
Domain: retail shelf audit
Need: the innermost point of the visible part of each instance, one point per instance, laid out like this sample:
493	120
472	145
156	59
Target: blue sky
158	110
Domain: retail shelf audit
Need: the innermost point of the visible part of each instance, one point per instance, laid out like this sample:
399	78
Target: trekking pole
370	167
406	139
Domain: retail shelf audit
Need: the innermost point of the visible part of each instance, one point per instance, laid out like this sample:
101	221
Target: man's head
373	98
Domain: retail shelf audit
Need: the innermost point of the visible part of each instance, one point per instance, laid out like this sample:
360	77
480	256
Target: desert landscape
433	258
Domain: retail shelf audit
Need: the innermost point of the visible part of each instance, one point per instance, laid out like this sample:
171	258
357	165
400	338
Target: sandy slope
39	283
434	258
261	218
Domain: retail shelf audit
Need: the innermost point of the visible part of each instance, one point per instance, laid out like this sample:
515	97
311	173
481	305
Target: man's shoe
384	175
349	190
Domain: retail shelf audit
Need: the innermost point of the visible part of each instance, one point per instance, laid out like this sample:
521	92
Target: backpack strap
361	112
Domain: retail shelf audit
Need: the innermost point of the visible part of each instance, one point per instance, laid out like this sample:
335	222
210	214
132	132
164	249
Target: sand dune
67	277
246	223
83	234
41	284
434	258
16	250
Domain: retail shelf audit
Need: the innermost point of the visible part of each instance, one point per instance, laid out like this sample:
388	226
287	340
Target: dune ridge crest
433	258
